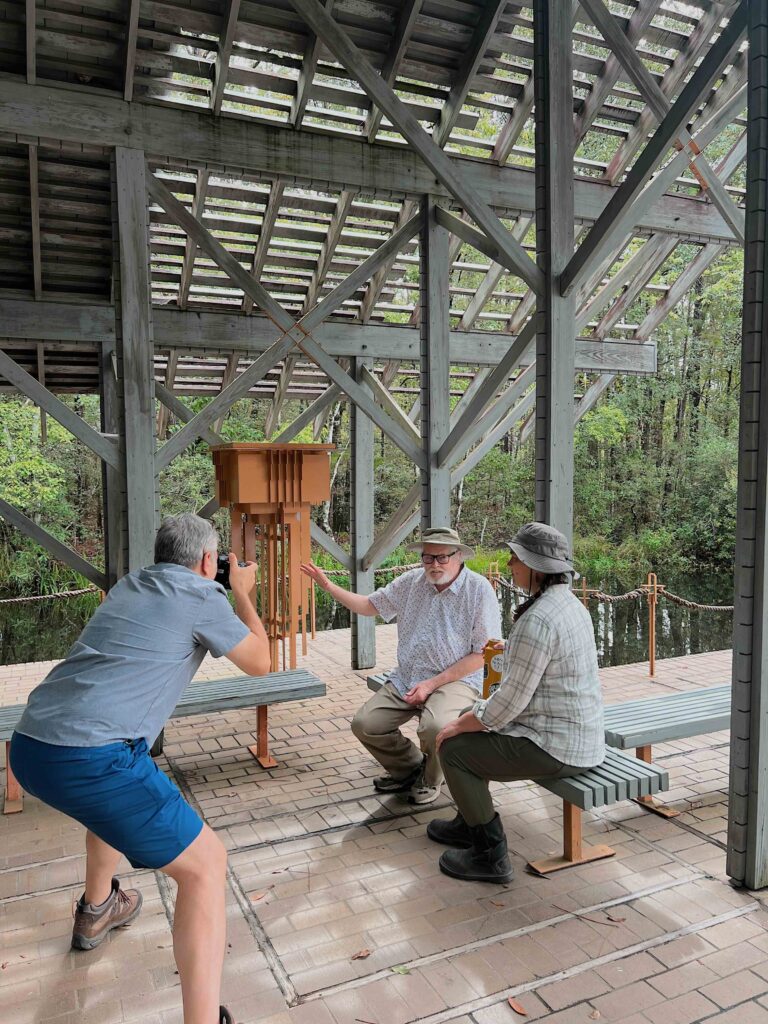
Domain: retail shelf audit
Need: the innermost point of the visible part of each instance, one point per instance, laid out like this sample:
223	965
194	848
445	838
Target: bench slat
619	773
229	694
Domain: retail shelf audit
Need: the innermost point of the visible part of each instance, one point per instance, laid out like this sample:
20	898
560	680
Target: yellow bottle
493	662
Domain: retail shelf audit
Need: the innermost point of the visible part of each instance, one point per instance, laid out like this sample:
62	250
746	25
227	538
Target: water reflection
43	630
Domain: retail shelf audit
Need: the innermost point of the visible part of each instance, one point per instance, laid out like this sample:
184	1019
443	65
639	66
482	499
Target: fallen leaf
595	1015
400	969
517	1007
616	920
361	954
496	903
3	966
256	896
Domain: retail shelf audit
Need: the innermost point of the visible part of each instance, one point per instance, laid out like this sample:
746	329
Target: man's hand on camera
242	578
316	574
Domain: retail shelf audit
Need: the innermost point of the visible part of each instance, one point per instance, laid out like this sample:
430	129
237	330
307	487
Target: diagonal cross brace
295	332
612	219
452	177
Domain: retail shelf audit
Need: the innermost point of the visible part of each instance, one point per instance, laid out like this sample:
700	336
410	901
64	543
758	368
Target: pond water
43	630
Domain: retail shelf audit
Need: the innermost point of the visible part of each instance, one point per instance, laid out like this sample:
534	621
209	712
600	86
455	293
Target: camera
222	571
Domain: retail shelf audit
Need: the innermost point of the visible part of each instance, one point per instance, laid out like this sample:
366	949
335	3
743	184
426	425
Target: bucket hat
543	548
440	535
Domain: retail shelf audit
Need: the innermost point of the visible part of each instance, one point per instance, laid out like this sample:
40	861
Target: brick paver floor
323	869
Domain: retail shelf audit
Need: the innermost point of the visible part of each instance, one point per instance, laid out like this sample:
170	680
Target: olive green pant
472	759
377	726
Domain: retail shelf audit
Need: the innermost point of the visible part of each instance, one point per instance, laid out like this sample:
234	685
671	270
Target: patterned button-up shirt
550	690
435	629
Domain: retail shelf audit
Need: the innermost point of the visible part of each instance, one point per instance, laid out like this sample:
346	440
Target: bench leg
647	802
14	798
260	749
574	851
157	747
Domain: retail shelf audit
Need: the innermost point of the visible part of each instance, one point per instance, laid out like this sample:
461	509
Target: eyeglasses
440	559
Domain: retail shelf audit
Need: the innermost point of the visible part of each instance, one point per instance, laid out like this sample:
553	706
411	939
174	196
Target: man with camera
82	745
445	614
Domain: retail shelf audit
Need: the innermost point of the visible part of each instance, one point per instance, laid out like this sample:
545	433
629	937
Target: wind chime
270	489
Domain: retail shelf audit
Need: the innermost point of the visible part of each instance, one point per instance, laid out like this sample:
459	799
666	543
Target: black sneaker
225	1017
390	784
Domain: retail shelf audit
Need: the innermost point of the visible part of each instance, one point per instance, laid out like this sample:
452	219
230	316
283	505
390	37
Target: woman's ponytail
549	581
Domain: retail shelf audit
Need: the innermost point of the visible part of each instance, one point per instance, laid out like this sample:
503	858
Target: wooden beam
408	15
34	209
265	235
53	546
314	409
30	32
191	247
380	278
468	66
223	52
682	284
161	428
328	249
448	173
131	41
183	414
387	401
237	145
362	503
601	235
42	397
478	240
329	544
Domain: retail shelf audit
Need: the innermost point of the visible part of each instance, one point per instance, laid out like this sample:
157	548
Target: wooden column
555	345
134	351
747	862
435	367
361	522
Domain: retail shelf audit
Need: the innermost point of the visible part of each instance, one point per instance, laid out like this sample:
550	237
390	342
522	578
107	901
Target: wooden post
645	753
652	592
572	838
435	368
555	343
361	508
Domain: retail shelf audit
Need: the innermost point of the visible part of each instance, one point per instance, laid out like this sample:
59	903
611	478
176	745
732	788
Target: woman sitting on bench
545	720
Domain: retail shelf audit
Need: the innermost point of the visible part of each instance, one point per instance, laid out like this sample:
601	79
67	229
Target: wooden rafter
30	32
131	41
191	247
163	412
265	235
470	62
221	65
408	15
34	210
307	73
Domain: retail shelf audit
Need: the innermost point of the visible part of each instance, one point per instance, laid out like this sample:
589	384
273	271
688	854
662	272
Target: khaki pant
377	726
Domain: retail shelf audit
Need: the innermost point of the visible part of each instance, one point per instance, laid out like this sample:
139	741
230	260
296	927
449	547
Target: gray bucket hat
440	535
543	548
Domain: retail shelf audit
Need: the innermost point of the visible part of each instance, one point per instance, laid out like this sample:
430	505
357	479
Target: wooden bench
200	698
639	724
619	777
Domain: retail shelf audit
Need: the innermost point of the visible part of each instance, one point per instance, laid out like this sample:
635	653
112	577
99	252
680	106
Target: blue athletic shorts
116	790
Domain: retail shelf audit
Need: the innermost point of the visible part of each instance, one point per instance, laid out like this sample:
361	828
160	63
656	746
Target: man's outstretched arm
357	603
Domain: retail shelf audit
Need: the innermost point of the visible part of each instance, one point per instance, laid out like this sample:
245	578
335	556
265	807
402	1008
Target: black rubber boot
225	1017
486	861
455	832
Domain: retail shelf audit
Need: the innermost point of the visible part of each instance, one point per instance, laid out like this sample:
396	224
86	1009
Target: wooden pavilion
277	199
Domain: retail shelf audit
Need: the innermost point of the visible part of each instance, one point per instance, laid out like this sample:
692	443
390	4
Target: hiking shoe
421	793
390	784
225	1017
92	924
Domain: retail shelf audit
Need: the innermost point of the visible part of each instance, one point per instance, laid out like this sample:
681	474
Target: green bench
200	698
639	724
619	777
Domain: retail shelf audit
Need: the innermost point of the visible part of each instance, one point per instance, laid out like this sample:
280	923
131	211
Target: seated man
445	614
82	745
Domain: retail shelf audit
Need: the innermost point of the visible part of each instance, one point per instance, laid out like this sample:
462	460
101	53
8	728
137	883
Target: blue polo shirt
124	675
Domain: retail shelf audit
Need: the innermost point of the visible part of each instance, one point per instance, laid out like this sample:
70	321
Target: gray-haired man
445	614
82	745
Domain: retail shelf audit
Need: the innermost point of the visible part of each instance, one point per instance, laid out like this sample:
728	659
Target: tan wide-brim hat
441	535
